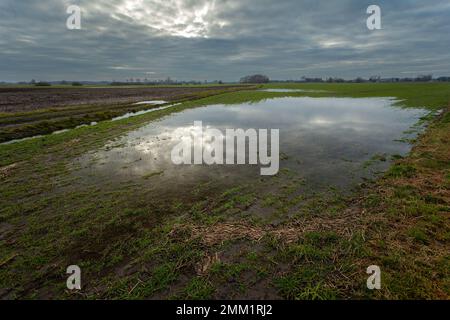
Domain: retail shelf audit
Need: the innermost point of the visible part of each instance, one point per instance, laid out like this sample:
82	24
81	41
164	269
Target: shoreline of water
94	123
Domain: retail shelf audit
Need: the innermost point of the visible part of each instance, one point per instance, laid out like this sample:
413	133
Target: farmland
147	236
27	111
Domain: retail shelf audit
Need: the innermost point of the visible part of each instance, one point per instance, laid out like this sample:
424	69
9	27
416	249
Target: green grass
401	170
432	96
198	289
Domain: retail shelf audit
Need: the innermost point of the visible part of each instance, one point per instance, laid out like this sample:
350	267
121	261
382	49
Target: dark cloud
222	39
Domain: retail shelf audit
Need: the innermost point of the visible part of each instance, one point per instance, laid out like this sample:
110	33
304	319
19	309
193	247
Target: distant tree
424	78
444	79
42	84
256	78
77	84
305	79
330	80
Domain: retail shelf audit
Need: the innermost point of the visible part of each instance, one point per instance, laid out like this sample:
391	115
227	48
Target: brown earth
31	111
29	99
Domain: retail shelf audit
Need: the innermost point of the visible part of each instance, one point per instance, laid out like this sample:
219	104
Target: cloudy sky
222	39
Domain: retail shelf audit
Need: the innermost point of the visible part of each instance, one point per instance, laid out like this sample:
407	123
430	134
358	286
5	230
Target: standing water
327	141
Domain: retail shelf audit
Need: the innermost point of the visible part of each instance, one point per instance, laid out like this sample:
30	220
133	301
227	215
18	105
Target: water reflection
291	90
151	102
138	113
326	140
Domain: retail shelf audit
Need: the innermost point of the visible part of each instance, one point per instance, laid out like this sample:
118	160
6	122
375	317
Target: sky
222	39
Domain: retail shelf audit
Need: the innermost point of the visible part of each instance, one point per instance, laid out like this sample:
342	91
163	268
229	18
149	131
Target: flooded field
108	198
202	150
326	141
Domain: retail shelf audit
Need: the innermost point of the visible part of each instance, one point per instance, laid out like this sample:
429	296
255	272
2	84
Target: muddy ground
32	98
31	111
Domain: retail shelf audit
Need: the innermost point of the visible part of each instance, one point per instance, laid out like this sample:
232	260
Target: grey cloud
181	39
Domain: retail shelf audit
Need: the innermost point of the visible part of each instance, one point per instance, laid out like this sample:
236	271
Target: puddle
125	116
151	102
54	132
138	113
292	90
327	141
22	139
